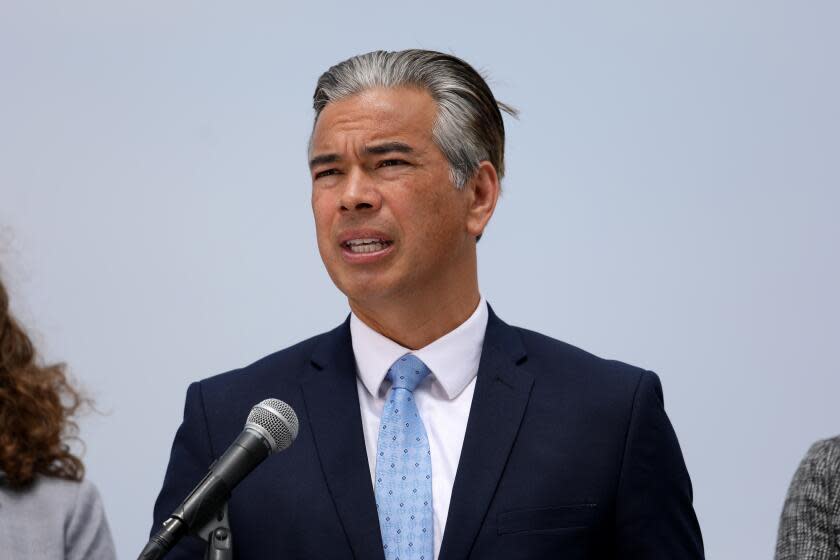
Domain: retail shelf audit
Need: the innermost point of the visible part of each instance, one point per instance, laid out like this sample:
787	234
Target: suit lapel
332	406
501	394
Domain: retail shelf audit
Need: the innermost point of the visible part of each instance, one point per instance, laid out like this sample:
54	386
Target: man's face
388	219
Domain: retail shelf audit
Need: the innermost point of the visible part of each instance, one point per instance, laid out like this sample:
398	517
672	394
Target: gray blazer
810	525
54	519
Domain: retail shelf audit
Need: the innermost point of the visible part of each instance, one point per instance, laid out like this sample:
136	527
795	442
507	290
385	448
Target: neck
421	319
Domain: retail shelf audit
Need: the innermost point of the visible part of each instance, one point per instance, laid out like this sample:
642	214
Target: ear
483	193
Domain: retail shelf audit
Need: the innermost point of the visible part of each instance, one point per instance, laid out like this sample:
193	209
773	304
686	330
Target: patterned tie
404	468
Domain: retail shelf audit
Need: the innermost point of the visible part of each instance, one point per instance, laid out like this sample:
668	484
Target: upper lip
350	235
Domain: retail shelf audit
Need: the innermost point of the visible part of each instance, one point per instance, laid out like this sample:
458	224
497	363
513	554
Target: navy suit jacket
566	456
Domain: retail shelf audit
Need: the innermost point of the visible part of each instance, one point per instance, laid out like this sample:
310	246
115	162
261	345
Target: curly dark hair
37	406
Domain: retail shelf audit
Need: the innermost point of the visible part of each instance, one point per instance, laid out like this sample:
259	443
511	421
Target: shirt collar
453	358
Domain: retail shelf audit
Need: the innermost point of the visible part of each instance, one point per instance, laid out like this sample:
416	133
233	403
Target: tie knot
407	372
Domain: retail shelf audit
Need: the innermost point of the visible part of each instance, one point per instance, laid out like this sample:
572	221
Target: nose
360	193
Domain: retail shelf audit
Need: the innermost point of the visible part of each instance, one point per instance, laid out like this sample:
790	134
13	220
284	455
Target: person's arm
807	530
87	535
654	512
189	461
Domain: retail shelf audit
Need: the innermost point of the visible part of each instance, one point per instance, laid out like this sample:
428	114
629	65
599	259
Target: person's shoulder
49	514
87	534
585	384
278	368
73	493
60	492
824	455
87	495
548	354
57	495
816	478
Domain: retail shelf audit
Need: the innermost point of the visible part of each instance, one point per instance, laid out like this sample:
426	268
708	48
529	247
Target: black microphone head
275	420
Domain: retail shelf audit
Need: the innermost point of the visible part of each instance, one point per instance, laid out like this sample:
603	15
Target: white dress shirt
443	398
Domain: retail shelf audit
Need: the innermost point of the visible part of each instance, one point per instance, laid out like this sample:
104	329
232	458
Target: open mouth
368	245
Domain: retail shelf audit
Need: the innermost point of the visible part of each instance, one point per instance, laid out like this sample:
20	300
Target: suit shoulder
547	347
549	354
282	366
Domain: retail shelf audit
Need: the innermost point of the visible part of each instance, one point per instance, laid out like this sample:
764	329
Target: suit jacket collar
332	410
332	407
501	395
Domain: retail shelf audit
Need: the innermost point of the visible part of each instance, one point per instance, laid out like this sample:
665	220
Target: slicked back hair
468	128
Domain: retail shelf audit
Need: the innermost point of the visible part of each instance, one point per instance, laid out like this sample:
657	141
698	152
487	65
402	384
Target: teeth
363	241
366	245
370	247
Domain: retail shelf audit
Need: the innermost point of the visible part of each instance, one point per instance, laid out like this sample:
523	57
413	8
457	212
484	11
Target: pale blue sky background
671	201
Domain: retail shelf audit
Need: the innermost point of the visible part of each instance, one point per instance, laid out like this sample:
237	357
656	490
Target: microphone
272	426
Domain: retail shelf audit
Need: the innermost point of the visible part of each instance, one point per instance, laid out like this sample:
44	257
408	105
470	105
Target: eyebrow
322	159
377	149
389	147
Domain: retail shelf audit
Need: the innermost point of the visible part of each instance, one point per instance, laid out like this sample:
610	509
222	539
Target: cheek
437	221
320	211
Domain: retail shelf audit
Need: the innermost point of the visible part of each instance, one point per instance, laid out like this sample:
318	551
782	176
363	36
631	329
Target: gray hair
468	128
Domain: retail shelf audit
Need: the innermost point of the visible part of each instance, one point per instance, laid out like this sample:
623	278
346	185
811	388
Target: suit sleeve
654	513
189	460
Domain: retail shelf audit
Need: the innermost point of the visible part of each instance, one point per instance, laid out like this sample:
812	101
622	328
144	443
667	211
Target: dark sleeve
189	461
654	512
807	529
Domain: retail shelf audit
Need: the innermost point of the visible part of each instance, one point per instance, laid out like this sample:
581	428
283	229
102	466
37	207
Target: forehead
406	114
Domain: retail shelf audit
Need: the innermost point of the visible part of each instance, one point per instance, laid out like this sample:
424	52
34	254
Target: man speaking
429	428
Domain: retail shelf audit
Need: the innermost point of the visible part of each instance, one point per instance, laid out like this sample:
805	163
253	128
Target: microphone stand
216	533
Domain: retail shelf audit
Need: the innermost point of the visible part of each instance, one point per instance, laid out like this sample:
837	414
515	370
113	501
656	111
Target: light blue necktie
404	468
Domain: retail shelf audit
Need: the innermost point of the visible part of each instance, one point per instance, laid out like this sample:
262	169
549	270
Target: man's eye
326	173
392	162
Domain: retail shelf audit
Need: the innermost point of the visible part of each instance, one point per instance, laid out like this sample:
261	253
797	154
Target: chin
367	290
